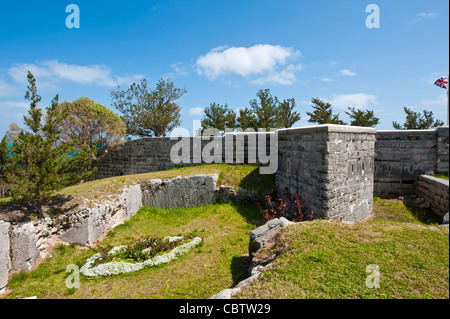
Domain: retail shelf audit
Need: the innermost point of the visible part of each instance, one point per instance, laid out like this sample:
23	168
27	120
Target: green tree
4	151
286	116
362	118
149	112
323	113
416	120
246	119
265	110
92	125
38	163
219	117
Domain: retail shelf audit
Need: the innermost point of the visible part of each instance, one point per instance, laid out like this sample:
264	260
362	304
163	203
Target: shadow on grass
19	211
250	212
239	266
262	183
423	215
403	210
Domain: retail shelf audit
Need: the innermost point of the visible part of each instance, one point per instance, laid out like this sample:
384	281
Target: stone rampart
331	167
401	156
434	191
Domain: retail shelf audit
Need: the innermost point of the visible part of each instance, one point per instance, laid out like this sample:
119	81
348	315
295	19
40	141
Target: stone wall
336	169
154	154
22	244
331	167
138	156
442	151
179	192
401	156
434	191
5	261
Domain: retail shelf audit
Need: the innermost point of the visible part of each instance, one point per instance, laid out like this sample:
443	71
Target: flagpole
447	98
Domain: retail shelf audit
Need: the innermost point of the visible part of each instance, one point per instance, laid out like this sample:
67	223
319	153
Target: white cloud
12	111
13	107
179	70
49	72
196	111
255	60
7	89
426	15
441	100
323	79
347	72
284	77
357	100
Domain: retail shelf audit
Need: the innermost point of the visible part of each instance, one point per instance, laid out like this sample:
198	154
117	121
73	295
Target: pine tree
286	116
4	151
362	118
265	110
416	120
149	112
219	117
247	119
323	114
38	163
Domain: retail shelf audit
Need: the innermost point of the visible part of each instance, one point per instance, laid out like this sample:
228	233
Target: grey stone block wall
153	154
179	192
133	201
331	167
88	225
435	191
401	156
442	150
138	156
23	246
5	261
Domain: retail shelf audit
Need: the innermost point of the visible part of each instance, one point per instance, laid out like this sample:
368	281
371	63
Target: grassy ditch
85	194
320	259
329	259
218	263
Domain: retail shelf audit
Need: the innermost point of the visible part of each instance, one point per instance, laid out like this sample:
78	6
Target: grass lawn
329	259
245	176
325	259
443	176
216	264
86	194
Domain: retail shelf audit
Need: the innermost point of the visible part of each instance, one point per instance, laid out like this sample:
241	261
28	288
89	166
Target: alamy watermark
373	19
234	147
73	279
373	279
73	19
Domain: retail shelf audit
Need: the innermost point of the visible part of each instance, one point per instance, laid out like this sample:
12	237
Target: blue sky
225	51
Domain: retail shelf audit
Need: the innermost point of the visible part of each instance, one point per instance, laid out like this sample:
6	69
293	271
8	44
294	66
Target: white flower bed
120	267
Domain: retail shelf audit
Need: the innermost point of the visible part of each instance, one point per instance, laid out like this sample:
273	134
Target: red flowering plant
282	203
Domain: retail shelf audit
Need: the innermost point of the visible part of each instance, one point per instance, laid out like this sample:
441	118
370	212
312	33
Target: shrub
282	203
143	249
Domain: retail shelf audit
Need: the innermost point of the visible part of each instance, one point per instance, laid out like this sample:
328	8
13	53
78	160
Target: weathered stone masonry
336	168
331	166
153	153
5	261
435	192
401	156
22	244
